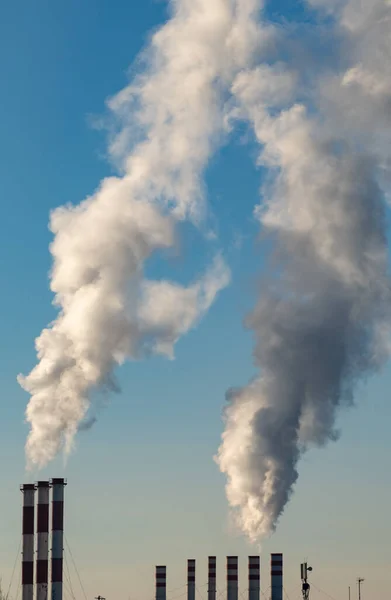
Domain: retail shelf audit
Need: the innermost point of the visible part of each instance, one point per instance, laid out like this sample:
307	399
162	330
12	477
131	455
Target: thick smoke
107	311
167	123
322	319
323	316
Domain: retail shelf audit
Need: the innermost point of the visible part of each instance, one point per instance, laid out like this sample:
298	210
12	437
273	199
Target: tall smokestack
42	564
254	577
28	490
191	567
232	578
160	583
276	576
57	536
212	578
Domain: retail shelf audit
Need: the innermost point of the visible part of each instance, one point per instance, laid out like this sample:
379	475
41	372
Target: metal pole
359	581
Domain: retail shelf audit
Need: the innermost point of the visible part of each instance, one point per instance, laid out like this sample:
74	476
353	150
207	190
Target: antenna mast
305	586
360	580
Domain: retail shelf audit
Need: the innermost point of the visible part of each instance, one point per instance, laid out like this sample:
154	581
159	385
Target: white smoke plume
322	320
170	119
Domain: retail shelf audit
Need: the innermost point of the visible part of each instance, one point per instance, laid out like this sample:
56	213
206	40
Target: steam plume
168	121
322	320
107	312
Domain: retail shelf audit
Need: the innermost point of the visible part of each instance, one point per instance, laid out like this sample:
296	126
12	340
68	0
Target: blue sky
143	487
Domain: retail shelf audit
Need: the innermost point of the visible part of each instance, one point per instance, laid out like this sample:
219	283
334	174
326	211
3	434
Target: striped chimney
254	577
57	536
42	564
160	583
232	578
276	576
191	570
212	578
28	490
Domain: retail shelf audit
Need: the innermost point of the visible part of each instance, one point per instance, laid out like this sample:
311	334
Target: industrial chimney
211	578
276	565
42	564
160	583
57	486
254	577
28	490
191	567
232	578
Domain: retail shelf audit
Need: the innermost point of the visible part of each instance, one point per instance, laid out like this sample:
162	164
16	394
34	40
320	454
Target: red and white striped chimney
57	536
191	572
161	589
42	564
276	568
254	577
232	578
211	578
28	490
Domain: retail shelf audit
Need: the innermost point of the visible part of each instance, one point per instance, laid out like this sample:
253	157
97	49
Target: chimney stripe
211	578
232	578
42	564
57	486
254	577
161	591
276	564
28	490
191	567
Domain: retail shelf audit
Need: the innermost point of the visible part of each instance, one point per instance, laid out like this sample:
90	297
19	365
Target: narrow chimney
191	570
276	576
212	578
57	536
28	490
160	583
232	578
254	577
42	564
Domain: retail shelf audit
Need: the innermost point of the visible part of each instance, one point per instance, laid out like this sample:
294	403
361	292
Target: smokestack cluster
42	539
254	578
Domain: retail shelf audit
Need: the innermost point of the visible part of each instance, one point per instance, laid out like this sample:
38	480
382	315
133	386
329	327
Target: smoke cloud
322	320
169	119
167	122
